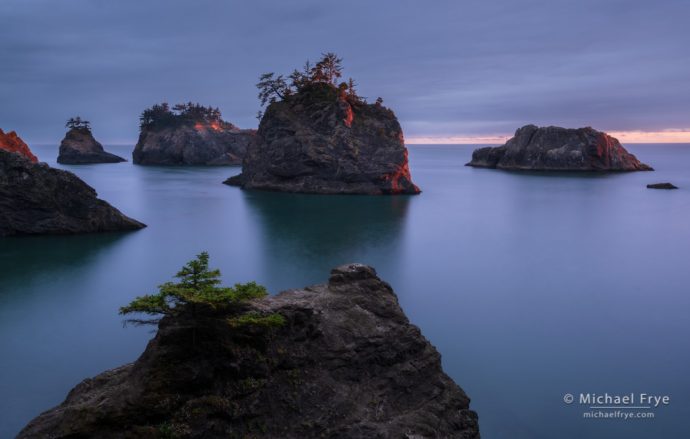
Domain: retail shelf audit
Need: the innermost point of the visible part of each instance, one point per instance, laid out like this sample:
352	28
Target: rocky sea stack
346	363
189	134
13	143
558	149
37	199
317	137
80	147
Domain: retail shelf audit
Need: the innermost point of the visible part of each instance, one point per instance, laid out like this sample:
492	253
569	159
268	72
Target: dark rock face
558	149
317	141
80	147
347	364
211	144
13	143
662	186
37	199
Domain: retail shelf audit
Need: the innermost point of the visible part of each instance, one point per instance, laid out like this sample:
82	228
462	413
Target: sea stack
558	149
80	147
189	134
37	199
346	363
319	137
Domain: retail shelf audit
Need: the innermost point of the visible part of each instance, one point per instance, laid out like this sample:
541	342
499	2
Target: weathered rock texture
662	186
558	149
13	143
347	364
318	141
211	144
80	147
37	199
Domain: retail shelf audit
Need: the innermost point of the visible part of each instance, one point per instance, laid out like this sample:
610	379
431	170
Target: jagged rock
13	143
558	149
662	186
212	144
346	364
318	141
80	147
37	199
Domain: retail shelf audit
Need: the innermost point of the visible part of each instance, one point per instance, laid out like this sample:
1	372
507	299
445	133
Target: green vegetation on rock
199	289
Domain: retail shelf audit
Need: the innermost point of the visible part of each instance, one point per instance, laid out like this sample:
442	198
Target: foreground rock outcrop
347	363
319	141
80	147
37	199
189	138
13	143
558	149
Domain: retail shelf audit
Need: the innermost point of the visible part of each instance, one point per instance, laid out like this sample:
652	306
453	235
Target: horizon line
634	136
625	137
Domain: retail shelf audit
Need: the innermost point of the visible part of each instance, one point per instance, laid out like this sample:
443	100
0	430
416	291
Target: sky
460	71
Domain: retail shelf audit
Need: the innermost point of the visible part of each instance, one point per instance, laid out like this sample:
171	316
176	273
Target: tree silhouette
77	123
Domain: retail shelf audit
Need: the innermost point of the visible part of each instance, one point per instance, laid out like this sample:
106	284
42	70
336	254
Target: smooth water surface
530	285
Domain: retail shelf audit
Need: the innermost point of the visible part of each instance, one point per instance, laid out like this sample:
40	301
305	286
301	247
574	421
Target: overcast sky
447	68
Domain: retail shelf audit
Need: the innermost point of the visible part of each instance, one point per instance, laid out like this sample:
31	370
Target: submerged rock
80	147
662	186
13	143
201	143
37	199
347	363
318	141
558	149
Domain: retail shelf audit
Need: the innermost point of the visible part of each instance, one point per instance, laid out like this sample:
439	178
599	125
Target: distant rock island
189	134
37	199
319	137
662	186
79	146
345	363
558	149
13	143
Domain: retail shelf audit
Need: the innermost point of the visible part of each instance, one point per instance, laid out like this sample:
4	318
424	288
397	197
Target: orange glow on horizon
665	136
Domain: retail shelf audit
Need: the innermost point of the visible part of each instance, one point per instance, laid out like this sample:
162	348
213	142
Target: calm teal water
531	286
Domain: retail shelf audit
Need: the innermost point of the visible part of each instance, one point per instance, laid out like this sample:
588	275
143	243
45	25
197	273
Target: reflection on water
24	259
530	285
310	234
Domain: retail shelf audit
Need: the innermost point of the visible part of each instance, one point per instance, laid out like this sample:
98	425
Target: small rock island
318	136
189	134
80	147
342	360
37	199
558	149
662	186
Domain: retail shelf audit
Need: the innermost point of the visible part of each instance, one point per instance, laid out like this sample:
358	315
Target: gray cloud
446	67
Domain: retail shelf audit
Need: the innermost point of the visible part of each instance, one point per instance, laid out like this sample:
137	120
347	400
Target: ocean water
531	286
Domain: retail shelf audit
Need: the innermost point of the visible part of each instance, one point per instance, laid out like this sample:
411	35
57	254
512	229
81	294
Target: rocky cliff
80	147
13	143
346	364
37	199
558	149
318	141
201	143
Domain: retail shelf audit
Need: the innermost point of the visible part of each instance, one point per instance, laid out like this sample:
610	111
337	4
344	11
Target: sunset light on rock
373	219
